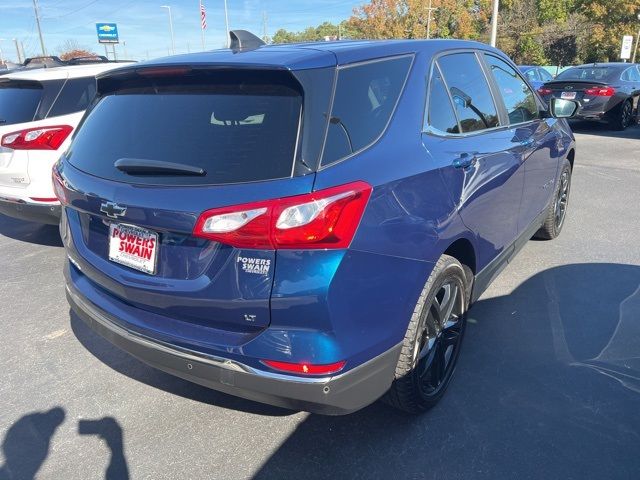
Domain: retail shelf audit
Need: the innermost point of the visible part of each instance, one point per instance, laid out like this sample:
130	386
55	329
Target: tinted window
544	75
518	98
364	100
469	91
631	75
237	130
531	75
75	96
587	73
440	114
18	101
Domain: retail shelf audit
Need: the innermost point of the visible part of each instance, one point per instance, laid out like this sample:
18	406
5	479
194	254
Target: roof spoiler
242	40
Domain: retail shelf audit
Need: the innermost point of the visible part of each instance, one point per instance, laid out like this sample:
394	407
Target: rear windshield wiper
139	166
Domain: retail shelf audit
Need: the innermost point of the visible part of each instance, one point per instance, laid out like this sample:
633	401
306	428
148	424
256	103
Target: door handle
466	160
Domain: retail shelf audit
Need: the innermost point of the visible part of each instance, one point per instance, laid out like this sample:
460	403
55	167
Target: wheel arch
571	157
462	249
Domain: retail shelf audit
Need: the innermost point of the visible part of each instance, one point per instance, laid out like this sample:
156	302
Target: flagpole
201	29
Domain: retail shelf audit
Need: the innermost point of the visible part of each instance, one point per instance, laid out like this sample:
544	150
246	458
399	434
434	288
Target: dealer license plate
133	247
568	95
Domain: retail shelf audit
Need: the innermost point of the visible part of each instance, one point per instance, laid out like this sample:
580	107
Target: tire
557	209
429	351
623	116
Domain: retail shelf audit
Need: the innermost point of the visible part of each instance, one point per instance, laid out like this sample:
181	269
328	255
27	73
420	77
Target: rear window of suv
237	126
19	101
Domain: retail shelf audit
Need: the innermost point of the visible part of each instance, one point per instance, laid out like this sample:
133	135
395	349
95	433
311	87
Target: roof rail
43	62
87	59
242	40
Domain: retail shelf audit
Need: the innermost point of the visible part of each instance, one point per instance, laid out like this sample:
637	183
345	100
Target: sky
144	25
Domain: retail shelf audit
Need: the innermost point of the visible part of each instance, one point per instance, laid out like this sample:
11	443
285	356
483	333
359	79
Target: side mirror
561	108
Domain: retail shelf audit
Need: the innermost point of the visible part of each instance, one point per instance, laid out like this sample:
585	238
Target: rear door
474	152
533	141
132	226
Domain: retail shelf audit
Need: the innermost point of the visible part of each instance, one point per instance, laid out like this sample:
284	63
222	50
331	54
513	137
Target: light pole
635	49
1	57
173	42
494	22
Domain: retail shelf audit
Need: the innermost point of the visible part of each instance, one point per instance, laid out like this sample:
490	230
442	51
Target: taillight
545	91
58	186
600	91
305	368
41	138
324	219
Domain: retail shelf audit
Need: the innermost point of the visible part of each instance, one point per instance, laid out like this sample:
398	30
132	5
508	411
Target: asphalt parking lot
548	384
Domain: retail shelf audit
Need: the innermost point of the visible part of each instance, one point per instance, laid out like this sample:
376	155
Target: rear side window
440	110
236	126
469	91
365	97
75	96
518	98
19	101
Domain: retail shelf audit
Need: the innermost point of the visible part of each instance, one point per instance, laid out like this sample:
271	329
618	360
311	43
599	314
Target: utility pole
226	23
1	57
173	42
15	41
35	9
494	22
429	10
635	49
24	56
124	45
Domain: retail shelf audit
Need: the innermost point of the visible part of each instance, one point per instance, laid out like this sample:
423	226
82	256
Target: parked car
536	76
290	224
39	110
605	91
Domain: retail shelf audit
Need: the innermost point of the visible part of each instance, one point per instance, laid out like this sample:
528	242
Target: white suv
39	110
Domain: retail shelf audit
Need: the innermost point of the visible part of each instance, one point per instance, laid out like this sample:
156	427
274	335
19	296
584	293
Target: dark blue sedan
307	225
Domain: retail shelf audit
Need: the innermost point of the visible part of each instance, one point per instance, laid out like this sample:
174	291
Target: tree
72	49
313	34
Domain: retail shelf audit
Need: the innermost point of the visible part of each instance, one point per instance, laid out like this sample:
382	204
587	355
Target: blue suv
307	225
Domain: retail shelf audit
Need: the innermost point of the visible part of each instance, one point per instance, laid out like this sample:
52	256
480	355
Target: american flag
203	17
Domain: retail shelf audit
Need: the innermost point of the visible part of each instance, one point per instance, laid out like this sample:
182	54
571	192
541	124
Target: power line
74	11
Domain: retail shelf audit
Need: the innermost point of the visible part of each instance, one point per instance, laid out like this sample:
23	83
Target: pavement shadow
109	430
40	234
127	365
26	444
601	129
548	386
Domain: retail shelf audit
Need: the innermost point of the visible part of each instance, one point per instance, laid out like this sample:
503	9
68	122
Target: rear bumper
337	395
31	212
